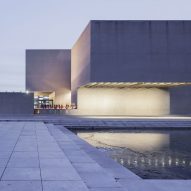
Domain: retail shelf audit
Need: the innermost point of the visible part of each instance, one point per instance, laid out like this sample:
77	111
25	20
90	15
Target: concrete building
48	75
120	68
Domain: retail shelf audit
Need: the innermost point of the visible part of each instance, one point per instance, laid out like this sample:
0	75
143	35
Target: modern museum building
139	68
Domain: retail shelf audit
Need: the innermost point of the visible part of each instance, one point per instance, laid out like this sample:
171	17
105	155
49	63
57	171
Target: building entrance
43	100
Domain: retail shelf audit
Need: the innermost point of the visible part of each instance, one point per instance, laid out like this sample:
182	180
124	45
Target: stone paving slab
64	185
3	162
39	157
141	185
64	173
25	155
21	174
20	186
52	155
106	189
55	162
5	154
29	155
99	180
1	171
15	162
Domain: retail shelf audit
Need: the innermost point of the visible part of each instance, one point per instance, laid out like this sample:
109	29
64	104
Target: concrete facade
80	62
16	103
137	51
49	71
118	51
140	51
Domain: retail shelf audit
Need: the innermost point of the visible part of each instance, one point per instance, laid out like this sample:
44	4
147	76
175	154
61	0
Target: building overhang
135	84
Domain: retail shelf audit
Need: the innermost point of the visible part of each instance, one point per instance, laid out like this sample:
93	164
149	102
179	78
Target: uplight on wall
125	101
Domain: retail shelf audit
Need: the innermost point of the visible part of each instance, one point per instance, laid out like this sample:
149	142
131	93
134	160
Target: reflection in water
134	141
149	155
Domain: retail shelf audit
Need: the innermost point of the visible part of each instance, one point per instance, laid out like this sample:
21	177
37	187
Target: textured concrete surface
16	103
80	62
134	51
39	157
152	51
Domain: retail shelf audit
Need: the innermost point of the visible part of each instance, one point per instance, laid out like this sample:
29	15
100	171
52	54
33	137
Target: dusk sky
57	24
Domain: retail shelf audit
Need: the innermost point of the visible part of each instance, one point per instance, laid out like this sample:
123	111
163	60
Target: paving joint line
38	156
12	151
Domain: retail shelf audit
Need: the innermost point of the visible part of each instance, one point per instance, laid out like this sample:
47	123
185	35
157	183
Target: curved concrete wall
129	101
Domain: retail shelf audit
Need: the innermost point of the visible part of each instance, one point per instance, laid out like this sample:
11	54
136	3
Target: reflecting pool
149	154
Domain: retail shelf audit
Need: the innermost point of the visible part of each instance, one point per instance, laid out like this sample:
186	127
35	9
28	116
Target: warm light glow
126	101
135	84
62	96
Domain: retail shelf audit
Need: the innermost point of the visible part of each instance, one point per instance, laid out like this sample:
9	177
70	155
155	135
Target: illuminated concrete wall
49	71
113	101
63	96
59	96
80	62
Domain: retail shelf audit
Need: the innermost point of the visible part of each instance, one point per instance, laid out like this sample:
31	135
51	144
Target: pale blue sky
56	24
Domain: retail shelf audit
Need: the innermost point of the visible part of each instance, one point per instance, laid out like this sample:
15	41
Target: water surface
149	154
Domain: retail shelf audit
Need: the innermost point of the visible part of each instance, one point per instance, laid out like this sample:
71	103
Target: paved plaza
44	157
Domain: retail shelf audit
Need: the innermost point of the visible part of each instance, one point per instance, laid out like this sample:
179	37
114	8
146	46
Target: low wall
16	103
127	101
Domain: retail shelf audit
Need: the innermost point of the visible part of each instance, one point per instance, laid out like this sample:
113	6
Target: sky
57	24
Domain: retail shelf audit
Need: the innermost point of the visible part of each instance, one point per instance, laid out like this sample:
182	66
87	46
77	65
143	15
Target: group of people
67	106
